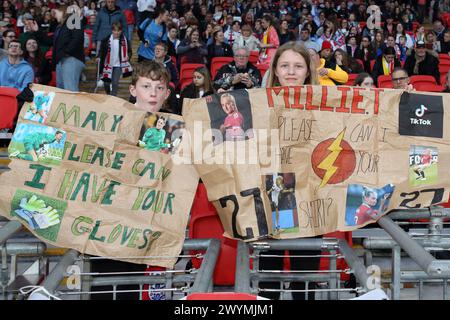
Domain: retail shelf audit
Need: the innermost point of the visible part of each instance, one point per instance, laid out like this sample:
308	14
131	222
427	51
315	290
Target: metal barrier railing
417	247
247	280
188	281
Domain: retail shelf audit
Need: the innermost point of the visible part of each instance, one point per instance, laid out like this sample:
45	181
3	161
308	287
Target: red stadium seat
443	79
186	73
443	56
9	107
360	62
422	79
351	78
444	66
254	57
262	68
372	63
221	296
384	81
217	63
428	87
205	223
341	264
187	70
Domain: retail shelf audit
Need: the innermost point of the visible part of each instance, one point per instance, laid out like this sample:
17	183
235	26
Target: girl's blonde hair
300	49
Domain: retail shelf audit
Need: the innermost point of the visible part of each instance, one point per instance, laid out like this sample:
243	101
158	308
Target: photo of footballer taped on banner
39	109
231	116
160	133
280	188
37	143
365	204
423	165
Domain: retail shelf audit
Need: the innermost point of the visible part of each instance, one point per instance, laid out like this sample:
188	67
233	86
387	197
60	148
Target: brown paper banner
310	160
94	173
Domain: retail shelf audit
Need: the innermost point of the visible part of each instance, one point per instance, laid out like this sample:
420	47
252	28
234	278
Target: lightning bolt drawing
327	163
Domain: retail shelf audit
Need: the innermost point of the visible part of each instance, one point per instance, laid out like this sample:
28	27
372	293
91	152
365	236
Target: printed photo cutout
41	214
231	116
365	204
280	188
37	143
39	109
161	133
423	165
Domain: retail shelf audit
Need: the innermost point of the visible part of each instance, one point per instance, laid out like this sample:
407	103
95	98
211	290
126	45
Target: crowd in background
49	41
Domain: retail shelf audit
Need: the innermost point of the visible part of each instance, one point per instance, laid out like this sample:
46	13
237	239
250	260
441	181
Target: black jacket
68	43
224	76
190	92
378	67
429	66
212	53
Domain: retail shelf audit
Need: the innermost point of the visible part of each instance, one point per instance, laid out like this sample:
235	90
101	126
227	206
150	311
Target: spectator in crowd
367	53
420	34
151	33
219	48
15	72
447	83
329	74
247	39
161	56
352	47
378	43
106	16
305	39
431	43
401	32
400	79
385	64
115	55
341	59
68	54
421	62
364	80
7	36
286	35
129	13
91	10
47	23
145	9
270	41
172	39
35	57
191	49
239	74
438	30
291	66
233	33
200	87
445	44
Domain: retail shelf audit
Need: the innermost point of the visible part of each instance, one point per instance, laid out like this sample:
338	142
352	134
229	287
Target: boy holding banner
150	86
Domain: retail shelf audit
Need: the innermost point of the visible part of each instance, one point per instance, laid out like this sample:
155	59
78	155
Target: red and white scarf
124	62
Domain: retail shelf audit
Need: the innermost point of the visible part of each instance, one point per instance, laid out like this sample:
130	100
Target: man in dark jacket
421	62
105	18
240	74
162	57
385	64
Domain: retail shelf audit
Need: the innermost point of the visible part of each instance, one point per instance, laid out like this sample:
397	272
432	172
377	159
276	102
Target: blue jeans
130	29
116	73
68	73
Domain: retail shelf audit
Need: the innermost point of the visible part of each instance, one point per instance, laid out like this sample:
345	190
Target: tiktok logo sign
421	115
